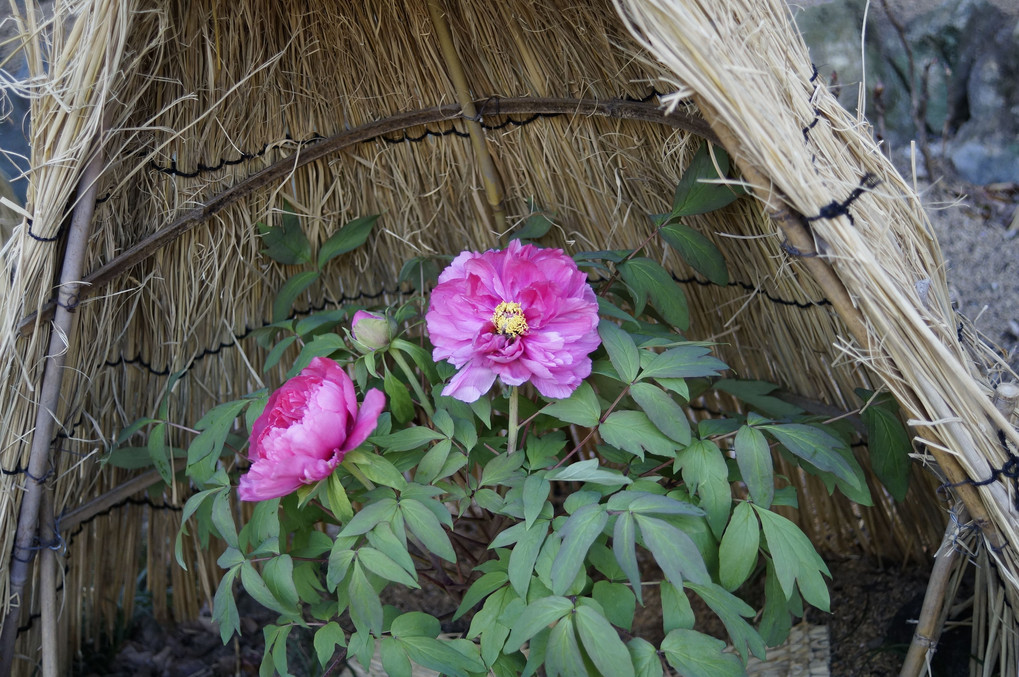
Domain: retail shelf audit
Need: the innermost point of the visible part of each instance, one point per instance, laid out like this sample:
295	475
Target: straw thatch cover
162	132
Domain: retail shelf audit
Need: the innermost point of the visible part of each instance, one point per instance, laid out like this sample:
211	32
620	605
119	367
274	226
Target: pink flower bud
371	331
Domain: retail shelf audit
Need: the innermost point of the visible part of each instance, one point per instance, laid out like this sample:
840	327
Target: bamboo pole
932	613
40	455
454	66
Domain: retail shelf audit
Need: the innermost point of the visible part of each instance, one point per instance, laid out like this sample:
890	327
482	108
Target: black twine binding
835	209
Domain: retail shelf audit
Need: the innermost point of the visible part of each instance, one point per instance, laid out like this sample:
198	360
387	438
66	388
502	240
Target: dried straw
186	84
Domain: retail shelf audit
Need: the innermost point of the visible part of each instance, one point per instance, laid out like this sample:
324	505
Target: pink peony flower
307	427
519	314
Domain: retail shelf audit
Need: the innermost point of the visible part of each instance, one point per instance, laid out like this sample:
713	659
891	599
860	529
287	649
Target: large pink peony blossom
307	427
520	314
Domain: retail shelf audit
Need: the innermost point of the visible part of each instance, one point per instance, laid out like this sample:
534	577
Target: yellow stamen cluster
508	319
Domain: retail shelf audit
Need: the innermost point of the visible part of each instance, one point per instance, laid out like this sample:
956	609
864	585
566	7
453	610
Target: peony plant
516	434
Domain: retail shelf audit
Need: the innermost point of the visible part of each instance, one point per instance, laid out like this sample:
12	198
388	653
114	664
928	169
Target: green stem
425	404
513	426
358	475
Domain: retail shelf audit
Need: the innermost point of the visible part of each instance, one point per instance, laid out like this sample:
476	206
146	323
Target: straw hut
163	132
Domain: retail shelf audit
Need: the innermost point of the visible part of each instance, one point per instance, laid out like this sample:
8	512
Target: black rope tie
835	209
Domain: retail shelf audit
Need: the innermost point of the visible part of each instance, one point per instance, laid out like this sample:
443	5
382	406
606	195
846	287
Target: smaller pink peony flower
308	425
520	314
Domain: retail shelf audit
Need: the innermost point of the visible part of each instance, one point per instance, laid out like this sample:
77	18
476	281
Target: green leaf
205	450
536	617
643	502
283	305
327	638
501	468
400	402
278	574
695	194
563	656
481	588
160	453
644	655
757	395
441	656
348	238
776	619
675	552
581	407
621	349
578	533
794	557
737	553
645	279
383	539
364	520
423	523
377	468
753	456
432	462
663	411
602	644
339	502
395	660
274	661
286	243
420	272
415	624
588	471
535	226
274	356
535	492
697	250
685	361
676	609
889	446
406	439
624	547
259	591
224	606
365	607
731	610
817	448
524	554
382	565
618	602
223	519
634	432
696	655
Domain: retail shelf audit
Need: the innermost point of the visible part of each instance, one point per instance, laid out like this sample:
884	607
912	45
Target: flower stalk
512	427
